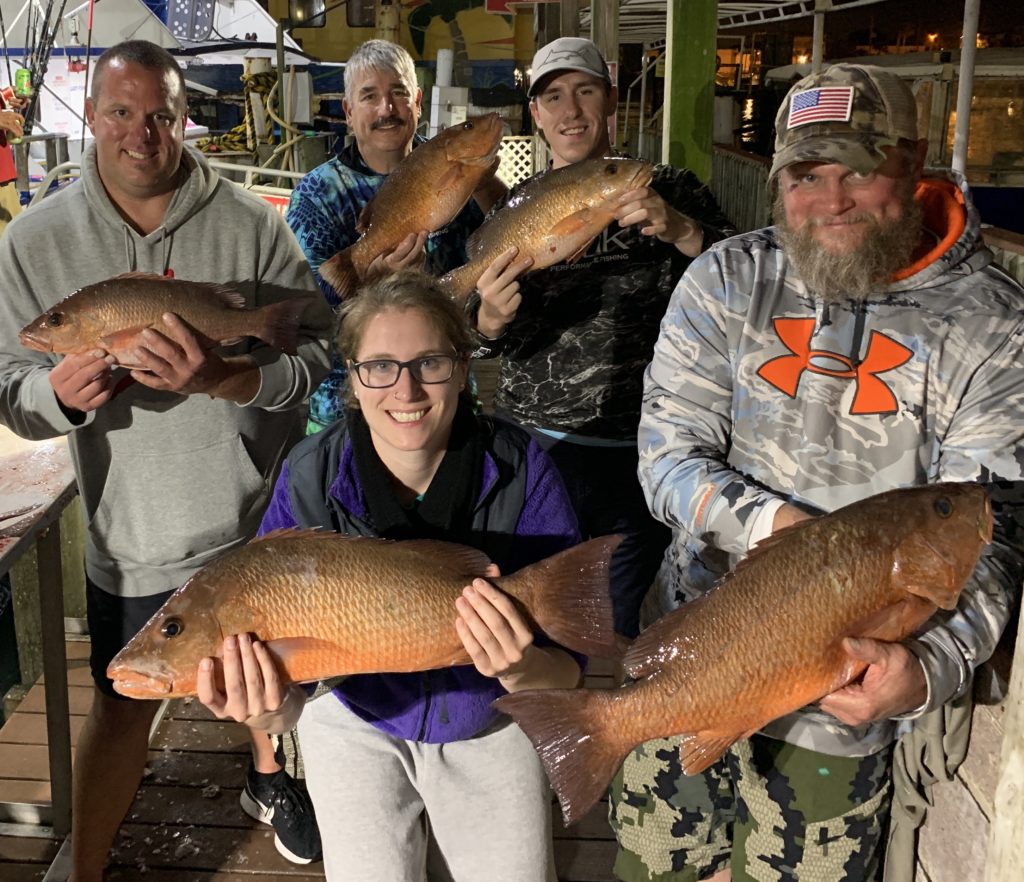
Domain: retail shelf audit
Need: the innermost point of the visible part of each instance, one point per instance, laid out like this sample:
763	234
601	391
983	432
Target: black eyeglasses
379	373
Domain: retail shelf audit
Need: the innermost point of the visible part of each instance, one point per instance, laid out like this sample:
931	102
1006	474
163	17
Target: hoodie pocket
167	508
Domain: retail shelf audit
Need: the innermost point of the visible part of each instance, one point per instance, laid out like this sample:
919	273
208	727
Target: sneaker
283	802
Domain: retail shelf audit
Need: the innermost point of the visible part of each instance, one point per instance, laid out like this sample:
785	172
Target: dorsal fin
227	296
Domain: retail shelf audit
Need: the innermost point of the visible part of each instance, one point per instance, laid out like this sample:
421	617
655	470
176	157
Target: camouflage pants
771	811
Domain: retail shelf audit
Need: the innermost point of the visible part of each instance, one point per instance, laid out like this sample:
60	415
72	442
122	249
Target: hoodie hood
152	252
950	216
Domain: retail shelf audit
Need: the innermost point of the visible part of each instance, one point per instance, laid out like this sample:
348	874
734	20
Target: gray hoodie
167	481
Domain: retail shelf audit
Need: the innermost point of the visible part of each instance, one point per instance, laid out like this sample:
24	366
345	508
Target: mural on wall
470	28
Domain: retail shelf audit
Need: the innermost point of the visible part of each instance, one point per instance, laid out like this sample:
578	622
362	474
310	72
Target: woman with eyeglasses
394	761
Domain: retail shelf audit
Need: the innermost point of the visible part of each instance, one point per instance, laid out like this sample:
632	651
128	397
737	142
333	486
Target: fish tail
460	282
340	273
281	321
575	739
568	597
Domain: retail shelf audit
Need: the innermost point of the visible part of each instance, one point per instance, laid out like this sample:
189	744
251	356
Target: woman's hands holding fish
893	683
83	382
500	642
174	361
499	293
645	206
407	254
253	691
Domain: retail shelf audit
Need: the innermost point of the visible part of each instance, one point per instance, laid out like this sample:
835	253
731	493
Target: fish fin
136	274
660	642
572	224
450	179
279	325
896	621
227	296
569	729
567	596
340	273
305	659
927	571
121	339
702	749
295	533
470	562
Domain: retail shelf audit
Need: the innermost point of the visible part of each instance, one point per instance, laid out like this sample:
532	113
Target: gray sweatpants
484	803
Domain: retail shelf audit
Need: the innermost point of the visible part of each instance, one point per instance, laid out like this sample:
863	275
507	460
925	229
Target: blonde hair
404	291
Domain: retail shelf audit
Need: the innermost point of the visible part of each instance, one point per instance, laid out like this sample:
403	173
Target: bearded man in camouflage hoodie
864	343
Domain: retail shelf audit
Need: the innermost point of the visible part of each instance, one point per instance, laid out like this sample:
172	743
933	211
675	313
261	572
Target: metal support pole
569	17
968	52
690	85
55	670
818	42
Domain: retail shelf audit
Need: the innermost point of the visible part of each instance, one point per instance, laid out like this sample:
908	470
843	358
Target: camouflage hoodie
760	393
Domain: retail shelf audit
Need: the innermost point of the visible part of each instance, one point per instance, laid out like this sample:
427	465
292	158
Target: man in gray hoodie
176	461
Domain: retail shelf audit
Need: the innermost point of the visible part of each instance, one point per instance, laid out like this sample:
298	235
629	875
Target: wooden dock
186	824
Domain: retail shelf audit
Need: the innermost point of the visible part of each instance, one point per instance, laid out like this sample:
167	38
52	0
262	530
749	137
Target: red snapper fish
327	605
111	314
767	639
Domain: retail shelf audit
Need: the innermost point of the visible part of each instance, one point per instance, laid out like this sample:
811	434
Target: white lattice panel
516	159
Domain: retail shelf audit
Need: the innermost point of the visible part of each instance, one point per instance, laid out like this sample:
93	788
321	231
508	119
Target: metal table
39	476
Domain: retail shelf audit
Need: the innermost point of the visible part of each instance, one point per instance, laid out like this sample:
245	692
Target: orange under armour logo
872	395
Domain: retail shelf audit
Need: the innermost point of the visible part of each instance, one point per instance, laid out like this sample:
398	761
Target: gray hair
380	55
144	54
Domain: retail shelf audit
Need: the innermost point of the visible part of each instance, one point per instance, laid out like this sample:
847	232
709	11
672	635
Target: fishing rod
88	64
7	54
45	47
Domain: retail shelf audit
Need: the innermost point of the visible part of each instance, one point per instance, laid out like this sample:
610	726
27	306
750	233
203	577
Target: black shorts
113	621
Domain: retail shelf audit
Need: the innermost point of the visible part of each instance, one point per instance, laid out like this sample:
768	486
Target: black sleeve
686	193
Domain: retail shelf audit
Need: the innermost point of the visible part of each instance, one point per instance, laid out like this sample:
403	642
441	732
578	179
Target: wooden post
1006	835
690	85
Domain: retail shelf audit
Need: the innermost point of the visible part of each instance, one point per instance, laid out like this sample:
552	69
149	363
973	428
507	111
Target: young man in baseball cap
575	341
865	343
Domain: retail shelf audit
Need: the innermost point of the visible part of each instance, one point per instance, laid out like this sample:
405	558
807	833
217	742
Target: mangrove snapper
552	218
426	191
327	605
767	639
111	314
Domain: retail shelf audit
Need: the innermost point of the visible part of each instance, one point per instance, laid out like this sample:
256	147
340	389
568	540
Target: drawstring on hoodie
131	254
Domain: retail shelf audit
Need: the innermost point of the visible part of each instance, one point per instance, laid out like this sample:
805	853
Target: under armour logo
872	395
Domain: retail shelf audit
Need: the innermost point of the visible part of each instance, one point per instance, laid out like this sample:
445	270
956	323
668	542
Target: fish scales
552	218
326	605
109	316
426	191
768	639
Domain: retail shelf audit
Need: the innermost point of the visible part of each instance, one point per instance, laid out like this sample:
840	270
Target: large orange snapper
111	314
327	605
768	639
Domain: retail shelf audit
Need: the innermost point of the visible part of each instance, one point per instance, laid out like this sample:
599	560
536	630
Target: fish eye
55	319
611	168
943	507
467	125
172	627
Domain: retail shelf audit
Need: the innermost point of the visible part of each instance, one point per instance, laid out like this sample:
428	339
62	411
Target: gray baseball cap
567	53
845	114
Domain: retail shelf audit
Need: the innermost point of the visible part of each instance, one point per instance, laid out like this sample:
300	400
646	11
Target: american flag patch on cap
825	104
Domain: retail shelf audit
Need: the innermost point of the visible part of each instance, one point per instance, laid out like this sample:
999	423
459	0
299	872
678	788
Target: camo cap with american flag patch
845	114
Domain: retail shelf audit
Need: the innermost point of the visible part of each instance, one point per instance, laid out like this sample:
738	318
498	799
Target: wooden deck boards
186	824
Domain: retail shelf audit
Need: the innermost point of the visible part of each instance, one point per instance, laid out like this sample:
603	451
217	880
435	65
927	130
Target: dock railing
739	181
